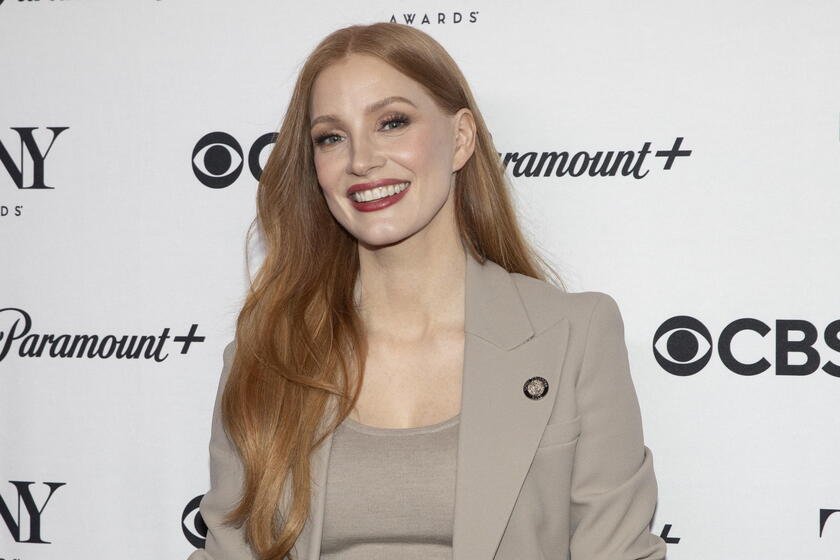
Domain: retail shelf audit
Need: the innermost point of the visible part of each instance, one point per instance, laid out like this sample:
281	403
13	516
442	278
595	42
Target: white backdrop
106	229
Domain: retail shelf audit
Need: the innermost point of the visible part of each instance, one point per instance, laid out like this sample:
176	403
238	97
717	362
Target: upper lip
373	184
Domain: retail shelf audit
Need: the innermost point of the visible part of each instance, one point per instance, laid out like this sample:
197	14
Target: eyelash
400	118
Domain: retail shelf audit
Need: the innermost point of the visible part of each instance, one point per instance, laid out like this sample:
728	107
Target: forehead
359	80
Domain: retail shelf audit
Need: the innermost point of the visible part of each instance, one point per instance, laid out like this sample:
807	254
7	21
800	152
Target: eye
396	118
324	137
400	120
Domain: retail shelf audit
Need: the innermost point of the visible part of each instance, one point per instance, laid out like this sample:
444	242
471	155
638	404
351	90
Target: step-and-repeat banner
695	177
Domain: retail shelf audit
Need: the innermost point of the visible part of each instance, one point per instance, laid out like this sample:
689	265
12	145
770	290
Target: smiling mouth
376	193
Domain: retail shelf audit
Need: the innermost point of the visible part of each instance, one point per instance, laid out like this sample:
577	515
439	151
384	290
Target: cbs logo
683	346
192	524
217	158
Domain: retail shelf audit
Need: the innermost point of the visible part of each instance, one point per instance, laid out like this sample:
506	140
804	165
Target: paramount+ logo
683	346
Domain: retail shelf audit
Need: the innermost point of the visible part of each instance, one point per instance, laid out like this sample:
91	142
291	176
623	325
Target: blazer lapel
499	429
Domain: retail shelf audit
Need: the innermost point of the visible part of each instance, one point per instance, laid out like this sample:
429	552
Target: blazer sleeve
226	477
614	489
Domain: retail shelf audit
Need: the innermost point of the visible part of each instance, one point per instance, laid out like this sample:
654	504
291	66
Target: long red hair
300	341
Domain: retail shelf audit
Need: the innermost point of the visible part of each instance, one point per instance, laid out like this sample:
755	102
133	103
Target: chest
390	493
411	384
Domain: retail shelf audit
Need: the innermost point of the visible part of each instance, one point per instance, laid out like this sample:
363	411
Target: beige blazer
566	476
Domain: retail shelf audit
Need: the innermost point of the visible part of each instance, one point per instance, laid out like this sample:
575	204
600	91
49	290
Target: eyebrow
370	109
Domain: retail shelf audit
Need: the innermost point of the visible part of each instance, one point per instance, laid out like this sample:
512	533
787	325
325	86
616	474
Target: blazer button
535	388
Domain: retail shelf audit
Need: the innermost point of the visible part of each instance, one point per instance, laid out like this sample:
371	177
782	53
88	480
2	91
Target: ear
464	138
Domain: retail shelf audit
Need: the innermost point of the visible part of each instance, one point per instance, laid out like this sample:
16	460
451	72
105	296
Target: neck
411	290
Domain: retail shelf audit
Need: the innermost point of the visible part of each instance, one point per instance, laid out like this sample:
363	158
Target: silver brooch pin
535	388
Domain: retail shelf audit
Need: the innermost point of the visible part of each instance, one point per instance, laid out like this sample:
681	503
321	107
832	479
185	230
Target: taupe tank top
390	492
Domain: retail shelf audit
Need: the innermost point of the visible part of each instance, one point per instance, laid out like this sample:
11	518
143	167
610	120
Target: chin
384	239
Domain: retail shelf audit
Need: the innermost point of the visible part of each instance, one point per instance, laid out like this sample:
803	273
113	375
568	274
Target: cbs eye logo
192	524
217	158
683	346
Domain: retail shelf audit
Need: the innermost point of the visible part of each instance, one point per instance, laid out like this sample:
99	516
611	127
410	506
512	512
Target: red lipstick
379	203
373	185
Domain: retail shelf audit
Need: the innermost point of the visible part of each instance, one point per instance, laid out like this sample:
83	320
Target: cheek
326	169
425	153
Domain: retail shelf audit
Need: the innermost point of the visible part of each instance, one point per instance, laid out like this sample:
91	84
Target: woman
404	383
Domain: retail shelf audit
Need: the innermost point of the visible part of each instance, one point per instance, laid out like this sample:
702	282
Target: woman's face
361	135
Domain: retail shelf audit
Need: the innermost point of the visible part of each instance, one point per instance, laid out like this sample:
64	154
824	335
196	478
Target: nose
364	156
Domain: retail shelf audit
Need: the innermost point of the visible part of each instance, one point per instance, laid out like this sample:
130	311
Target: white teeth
378	192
